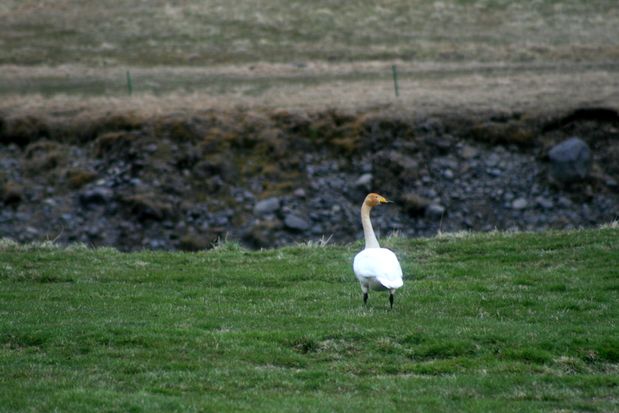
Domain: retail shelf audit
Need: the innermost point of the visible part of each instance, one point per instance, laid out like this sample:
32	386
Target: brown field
423	91
65	58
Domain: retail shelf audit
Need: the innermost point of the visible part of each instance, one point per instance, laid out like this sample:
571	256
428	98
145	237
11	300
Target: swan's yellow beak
374	199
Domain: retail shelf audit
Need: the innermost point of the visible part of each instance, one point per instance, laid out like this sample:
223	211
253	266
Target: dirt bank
272	177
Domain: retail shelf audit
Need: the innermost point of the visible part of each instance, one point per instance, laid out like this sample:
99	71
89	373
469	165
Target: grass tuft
319	243
8	244
610	225
226	245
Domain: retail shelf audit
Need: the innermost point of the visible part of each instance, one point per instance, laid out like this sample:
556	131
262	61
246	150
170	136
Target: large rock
267	206
570	160
296	223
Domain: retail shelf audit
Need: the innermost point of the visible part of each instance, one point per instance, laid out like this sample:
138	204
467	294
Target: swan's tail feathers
391	283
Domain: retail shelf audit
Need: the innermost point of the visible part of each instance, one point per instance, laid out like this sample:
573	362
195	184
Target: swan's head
373	200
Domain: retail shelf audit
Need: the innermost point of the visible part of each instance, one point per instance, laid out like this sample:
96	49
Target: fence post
129	83
396	86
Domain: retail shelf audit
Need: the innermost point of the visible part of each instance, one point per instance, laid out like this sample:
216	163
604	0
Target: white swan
375	267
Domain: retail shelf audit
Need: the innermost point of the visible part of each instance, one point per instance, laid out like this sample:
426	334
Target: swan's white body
376	268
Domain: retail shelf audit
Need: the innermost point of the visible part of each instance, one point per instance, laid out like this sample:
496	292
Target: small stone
32	230
468	152
443	144
152	147
519	203
448	173
444	162
544	202
364	181
565	202
493	160
95	196
156	244
220	220
168	224
299	193
267	206
435	211
296	223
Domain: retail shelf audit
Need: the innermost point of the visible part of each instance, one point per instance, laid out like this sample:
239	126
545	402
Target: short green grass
494	322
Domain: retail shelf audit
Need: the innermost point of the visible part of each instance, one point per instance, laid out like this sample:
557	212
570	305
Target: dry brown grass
67	59
211	32
423	90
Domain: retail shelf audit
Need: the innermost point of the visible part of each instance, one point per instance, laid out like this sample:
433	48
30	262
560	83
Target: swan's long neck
368	231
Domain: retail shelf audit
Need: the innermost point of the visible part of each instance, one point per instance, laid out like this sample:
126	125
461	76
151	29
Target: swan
376	268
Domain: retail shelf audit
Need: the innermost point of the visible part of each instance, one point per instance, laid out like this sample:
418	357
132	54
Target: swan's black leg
391	299
365	298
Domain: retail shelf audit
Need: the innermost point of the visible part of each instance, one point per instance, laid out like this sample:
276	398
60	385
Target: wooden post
129	83
396	86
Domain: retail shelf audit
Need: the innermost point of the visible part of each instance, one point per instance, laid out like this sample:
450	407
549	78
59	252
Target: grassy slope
509	322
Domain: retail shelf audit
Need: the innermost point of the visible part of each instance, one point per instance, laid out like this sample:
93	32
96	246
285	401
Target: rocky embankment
271	178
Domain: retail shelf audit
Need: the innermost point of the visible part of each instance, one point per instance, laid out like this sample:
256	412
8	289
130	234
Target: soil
270	177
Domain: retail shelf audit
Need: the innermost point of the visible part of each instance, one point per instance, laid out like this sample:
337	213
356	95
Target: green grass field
493	322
